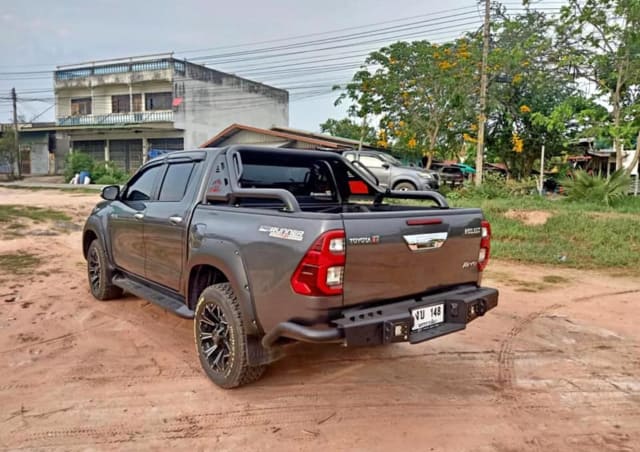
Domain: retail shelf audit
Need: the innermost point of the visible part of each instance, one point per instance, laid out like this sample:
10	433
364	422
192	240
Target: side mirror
386	166
110	192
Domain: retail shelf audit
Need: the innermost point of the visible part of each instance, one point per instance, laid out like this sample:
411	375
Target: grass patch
531	286
63	187
18	264
9	213
554	279
572	237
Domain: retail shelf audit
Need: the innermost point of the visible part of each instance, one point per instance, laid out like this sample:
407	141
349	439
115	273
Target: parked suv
451	175
391	173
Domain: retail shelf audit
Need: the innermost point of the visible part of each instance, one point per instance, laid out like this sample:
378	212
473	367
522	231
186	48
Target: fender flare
95	226
233	268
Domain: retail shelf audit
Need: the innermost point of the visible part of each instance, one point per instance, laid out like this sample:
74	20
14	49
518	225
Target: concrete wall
38	143
247	137
628	159
213	100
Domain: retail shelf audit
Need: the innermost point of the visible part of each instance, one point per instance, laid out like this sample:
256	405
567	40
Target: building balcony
117	119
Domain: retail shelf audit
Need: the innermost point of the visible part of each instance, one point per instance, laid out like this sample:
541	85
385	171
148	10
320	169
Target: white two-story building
120	110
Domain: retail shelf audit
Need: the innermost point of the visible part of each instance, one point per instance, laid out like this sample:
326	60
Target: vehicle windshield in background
391	159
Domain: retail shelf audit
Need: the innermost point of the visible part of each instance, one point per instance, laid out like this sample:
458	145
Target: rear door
397	254
166	222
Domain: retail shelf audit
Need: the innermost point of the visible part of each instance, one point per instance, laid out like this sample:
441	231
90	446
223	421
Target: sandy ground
555	367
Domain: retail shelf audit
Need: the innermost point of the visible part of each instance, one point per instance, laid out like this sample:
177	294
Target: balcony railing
117	118
121	67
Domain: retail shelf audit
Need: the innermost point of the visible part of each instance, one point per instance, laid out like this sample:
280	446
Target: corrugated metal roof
235	128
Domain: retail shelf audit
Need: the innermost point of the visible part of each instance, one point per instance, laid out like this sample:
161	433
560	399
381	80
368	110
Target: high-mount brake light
321	270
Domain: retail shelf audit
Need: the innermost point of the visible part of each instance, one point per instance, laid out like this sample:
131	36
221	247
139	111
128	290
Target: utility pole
483	91
541	170
15	131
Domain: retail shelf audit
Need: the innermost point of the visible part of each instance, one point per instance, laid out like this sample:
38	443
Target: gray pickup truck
391	173
264	247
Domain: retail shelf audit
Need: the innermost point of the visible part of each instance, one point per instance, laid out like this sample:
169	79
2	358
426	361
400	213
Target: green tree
348	128
418	90
8	149
604	41
523	90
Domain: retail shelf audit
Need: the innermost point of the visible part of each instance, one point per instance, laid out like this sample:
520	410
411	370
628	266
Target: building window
94	149
81	106
120	103
158	101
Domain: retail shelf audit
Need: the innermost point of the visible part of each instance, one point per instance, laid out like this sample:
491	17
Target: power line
324	33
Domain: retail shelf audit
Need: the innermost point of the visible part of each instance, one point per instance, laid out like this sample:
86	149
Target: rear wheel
221	339
405	186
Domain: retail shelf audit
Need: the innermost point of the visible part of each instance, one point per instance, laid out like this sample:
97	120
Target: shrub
494	186
106	173
598	189
76	162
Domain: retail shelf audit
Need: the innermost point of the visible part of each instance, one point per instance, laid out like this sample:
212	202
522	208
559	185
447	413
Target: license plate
427	316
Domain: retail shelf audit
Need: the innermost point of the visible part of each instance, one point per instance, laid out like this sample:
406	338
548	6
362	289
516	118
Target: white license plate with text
427	316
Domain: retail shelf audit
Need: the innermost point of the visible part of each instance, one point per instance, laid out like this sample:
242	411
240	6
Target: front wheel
221	339
405	186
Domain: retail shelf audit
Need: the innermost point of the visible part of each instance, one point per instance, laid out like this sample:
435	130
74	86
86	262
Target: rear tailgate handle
175	219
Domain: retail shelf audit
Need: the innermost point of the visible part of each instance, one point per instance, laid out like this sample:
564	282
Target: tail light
485	245
321	270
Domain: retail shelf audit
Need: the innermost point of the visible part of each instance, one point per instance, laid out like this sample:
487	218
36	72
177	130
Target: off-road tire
237	372
101	287
404	186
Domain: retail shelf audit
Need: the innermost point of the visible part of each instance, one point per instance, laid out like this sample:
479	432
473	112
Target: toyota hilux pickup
263	247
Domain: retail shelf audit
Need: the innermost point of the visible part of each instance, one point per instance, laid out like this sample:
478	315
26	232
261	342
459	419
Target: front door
126	224
166	222
381	169
25	160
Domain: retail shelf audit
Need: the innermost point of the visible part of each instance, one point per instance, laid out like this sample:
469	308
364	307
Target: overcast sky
37	35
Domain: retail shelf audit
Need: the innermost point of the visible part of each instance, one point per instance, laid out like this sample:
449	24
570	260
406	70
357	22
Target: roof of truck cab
284	151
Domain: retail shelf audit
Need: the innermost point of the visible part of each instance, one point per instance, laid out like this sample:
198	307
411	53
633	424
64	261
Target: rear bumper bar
394	322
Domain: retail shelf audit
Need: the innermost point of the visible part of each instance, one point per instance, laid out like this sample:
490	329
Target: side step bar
165	301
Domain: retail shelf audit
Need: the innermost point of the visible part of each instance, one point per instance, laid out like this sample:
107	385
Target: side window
370	162
176	181
142	187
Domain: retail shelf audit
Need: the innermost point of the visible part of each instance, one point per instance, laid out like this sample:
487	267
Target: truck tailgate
402	253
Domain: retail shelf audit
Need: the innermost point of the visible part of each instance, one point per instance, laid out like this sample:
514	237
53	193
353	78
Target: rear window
273	175
176	181
311	181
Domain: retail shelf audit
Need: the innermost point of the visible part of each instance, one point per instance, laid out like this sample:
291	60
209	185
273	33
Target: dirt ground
555	367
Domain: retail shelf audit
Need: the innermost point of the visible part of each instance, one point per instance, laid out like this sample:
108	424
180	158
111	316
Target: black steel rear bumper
393	322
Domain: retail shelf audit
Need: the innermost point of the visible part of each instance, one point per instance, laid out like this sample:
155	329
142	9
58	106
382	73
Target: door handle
175	219
138	216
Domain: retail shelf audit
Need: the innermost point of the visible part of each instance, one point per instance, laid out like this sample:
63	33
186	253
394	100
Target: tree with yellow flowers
419	90
524	87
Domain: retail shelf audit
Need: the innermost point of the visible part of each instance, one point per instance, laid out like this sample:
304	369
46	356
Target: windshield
391	159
